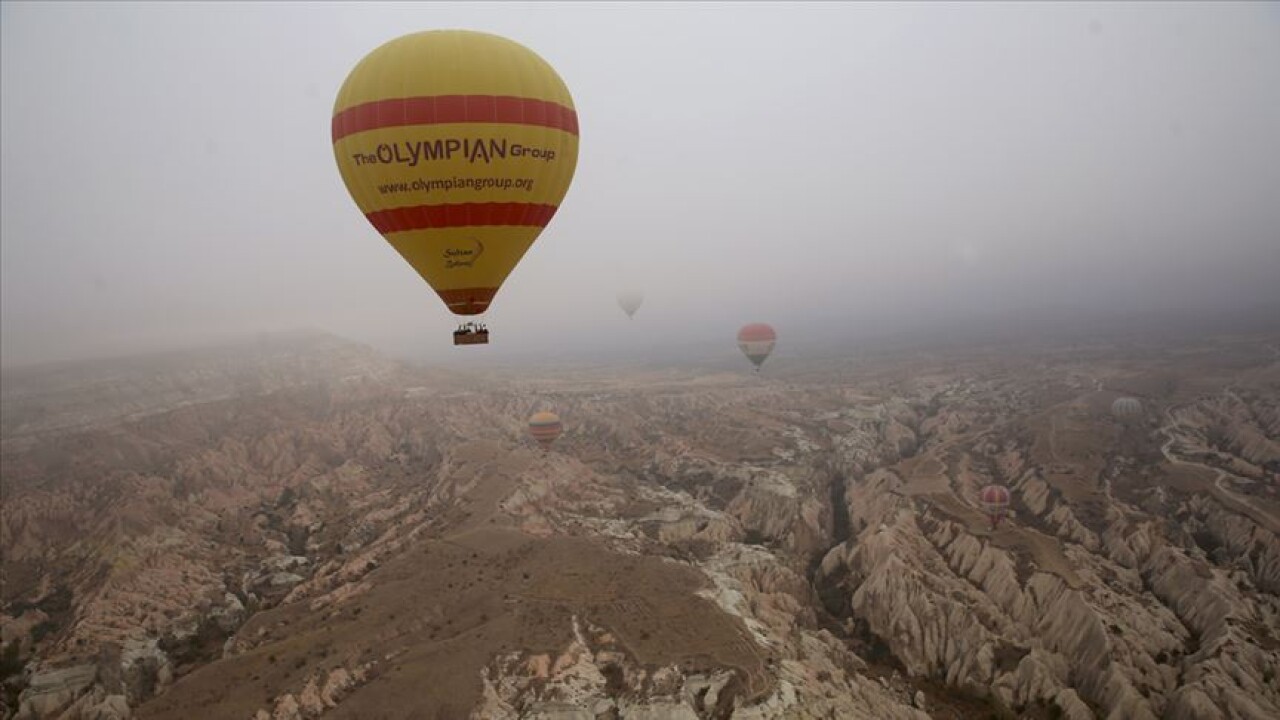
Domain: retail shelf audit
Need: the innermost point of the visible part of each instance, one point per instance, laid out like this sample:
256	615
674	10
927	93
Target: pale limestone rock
309	699
145	669
230	614
98	705
1073	708
1035	493
49	690
338	683
901	438
287	708
659	711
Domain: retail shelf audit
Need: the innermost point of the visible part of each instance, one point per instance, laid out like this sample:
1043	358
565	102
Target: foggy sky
167	177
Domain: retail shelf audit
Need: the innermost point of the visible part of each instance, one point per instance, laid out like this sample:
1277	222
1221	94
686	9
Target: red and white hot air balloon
994	500
756	342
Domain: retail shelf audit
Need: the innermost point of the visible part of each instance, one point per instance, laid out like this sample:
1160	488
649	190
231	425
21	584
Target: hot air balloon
458	147
1126	408
544	427
995	503
629	301
756	342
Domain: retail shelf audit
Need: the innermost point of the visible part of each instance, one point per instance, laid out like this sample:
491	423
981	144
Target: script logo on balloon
463	257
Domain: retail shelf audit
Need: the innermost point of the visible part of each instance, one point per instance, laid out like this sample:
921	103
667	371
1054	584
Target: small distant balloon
544	428
630	301
1126	408
994	500
756	342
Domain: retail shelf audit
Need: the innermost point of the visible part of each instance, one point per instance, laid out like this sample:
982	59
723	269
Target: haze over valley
639	361
300	527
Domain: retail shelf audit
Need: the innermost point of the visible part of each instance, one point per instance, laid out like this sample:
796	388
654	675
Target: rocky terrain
302	529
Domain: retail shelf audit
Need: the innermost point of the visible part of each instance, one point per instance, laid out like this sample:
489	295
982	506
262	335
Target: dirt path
1228	498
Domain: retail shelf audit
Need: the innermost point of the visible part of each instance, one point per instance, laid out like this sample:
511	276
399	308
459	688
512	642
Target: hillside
305	529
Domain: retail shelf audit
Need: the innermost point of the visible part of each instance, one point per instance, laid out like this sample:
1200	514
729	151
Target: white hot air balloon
629	301
1126	408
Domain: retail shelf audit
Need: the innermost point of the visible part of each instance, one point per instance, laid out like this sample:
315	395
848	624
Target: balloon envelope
1126	407
545	427
756	342
629	301
995	502
458	147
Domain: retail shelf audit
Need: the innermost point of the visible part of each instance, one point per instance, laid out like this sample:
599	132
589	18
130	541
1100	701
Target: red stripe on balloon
441	109
467	301
426	217
756	332
992	494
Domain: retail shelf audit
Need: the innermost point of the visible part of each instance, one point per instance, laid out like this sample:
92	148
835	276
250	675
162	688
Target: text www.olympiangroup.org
460	183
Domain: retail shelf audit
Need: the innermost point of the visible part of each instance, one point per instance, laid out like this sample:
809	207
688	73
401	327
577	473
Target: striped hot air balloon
458	147
756	342
994	500
544	428
1126	408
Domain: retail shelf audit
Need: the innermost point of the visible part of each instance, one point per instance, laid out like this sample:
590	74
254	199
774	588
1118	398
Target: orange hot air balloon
545	427
458	147
995	503
756	342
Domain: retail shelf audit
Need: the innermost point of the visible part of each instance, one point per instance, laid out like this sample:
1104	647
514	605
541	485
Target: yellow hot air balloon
458	147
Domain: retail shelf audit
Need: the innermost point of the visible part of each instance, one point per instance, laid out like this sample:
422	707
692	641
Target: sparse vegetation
42	630
11	663
998	710
1007	657
615	679
204	645
877	650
